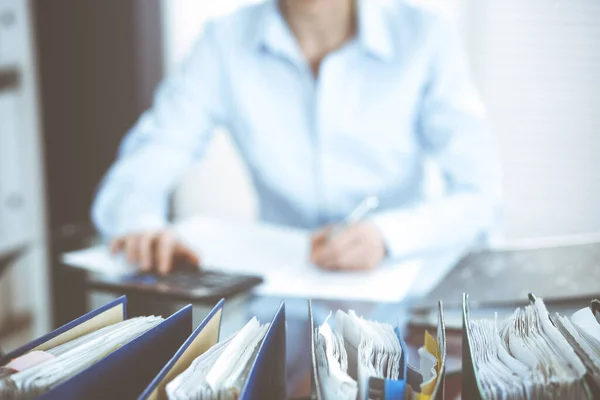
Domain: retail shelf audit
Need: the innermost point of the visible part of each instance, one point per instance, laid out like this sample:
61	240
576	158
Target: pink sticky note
29	360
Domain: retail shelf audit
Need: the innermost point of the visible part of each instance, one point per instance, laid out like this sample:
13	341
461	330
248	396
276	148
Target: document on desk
280	256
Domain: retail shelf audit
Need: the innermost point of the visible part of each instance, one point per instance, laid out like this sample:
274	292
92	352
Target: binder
266	378
378	388
414	377
531	377
438	390
111	313
471	388
315	383
125	372
386	388
202	338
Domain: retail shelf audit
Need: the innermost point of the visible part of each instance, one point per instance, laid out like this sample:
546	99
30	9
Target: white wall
537	63
21	174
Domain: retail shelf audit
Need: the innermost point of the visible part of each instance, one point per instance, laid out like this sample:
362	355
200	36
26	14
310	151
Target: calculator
186	283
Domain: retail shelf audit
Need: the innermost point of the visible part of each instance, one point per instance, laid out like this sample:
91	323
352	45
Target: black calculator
186	283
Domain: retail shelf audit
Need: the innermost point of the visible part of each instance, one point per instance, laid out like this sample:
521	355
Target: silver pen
369	204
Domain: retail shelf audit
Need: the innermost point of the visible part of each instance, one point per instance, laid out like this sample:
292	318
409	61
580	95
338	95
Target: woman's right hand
158	250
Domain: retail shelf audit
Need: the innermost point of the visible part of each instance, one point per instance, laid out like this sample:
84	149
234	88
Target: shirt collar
373	29
273	34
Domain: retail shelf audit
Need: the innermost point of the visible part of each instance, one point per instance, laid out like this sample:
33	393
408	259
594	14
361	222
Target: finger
318	241
132	249
165	253
116	245
332	258
145	252
320	236
335	249
355	258
186	254
347	237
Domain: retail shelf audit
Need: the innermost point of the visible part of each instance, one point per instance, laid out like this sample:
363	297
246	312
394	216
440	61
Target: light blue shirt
397	94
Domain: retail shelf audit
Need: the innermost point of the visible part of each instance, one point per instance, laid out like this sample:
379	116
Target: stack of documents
248	365
532	355
37	372
361	359
221	372
99	355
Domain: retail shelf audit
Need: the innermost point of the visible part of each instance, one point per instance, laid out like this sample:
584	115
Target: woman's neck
320	26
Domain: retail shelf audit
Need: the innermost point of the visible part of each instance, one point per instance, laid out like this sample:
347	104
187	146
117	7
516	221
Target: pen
369	204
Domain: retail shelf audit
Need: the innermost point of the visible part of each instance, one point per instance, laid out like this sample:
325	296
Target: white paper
73	357
332	366
280	256
586	320
98	259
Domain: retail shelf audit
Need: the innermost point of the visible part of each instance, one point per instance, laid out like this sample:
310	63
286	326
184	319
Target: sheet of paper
98	259
280	256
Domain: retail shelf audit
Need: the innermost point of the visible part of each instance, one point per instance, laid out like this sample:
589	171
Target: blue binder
204	337
125	372
266	378
113	312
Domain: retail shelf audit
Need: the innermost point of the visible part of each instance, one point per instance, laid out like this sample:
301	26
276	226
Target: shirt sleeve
453	131
134	194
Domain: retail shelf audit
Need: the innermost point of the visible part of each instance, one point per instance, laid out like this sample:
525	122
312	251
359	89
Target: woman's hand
154	250
358	247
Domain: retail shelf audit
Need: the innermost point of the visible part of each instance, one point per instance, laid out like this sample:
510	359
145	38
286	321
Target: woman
328	101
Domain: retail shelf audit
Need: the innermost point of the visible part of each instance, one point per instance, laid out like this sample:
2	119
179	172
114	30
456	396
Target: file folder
266	376
111	313
471	388
388	389
438	390
202	338
378	388
534	353
125	372
415	378
385	389
315	383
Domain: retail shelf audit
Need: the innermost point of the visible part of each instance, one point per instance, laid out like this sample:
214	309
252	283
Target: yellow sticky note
431	346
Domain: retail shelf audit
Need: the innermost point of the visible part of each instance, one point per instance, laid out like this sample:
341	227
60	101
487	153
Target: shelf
9	256
15	324
9	78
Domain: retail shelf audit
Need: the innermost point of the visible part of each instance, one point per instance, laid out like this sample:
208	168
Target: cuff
145	222
396	232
